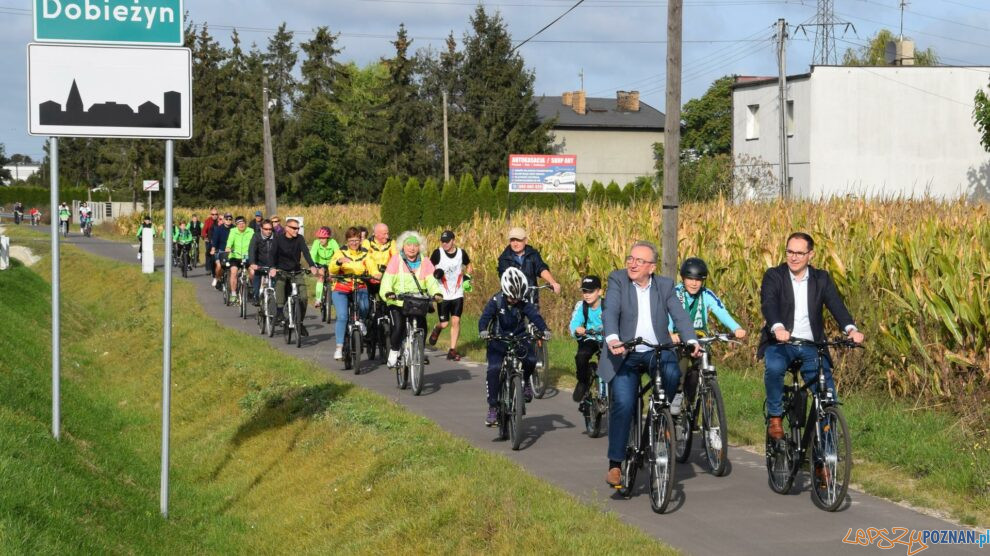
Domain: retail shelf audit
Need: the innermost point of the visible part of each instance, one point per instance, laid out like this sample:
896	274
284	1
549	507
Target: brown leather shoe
775	429
822	477
614	477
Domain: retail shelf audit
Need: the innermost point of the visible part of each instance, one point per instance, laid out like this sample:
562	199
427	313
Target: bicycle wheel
270	312
832	454
346	345
324	304
714	429
242	298
780	454
226	290
402	371
518	402
541	372
661	454
287	327
297	309
185	263
593	414
683	433
357	344
504	406
384	333
631	463
416	365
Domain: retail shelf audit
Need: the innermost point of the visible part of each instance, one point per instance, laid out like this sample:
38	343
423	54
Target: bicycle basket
415	305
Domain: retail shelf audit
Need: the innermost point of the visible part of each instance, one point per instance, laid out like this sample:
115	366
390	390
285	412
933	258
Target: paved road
734	514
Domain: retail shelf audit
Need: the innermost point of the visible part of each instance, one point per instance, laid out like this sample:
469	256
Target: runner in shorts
453	272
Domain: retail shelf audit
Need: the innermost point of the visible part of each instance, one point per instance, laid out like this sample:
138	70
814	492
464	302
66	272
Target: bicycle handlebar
656	347
838	342
727	338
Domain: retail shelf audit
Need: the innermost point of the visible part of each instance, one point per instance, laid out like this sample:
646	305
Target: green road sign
149	22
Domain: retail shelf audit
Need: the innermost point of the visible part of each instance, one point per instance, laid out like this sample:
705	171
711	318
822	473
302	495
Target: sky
613	44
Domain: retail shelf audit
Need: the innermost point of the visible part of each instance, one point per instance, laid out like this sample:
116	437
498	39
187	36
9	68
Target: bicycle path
734	514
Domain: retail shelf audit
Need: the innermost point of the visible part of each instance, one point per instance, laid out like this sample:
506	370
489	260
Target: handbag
415	306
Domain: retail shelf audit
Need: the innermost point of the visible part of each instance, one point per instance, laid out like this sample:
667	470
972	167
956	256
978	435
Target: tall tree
431	205
403	116
708	120
280	63
873	53
412	205
392	204
5	175
439	73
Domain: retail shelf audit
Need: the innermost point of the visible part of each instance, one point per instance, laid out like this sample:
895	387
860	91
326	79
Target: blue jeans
625	387
340	305
780	356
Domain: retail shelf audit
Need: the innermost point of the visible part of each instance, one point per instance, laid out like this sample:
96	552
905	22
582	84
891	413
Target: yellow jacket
359	265
380	254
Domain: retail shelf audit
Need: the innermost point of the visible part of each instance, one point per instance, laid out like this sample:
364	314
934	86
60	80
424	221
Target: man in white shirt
792	298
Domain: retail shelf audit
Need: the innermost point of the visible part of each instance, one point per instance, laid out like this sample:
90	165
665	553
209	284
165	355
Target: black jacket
260	250
532	263
777	303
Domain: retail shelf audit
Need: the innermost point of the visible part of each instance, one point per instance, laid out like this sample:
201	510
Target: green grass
270	454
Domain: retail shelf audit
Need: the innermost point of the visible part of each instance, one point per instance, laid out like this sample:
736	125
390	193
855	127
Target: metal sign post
56	329
167	326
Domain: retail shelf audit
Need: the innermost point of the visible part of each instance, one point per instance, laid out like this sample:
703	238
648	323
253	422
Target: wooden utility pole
446	153
269	162
672	139
785	189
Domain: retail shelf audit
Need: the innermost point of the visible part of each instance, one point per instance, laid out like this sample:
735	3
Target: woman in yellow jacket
346	266
409	271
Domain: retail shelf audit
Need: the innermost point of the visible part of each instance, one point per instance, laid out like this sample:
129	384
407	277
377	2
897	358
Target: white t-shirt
452	265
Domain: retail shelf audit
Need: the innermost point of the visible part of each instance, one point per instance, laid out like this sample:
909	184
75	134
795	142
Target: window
752	122
790	118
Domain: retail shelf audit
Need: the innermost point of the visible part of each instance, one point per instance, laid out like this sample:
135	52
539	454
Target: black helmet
694	268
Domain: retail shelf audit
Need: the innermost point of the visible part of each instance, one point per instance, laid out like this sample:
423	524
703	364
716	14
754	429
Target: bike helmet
514	283
694	268
323	232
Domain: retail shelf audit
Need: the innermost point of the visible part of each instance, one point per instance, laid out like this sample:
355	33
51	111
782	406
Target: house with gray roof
612	137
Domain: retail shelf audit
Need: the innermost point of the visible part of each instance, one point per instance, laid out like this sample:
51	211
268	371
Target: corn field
915	274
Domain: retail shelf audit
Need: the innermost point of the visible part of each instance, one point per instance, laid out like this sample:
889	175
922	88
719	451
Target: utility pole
672	139
581	75
446	153
901	34
269	163
785	189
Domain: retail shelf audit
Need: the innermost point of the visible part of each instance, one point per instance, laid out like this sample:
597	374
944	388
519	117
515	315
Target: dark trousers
399	326
582	359
496	354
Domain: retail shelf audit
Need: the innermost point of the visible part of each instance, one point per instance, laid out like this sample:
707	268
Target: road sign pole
56	329
167	326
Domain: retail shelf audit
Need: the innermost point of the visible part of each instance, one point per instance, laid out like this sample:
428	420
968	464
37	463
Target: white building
612	137
21	171
903	131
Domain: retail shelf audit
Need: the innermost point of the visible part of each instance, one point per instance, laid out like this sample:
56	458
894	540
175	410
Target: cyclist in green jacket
322	251
182	238
238	244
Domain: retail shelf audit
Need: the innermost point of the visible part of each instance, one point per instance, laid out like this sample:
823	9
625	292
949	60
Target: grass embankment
270	455
901	452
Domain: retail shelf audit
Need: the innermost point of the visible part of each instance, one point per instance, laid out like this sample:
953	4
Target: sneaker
214	284
139	256
452	355
338	353
528	392
393	357
435	335
318	305
580	390
492	419
675	406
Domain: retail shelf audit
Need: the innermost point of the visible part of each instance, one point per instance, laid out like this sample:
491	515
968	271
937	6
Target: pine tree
613	193
597	193
392	197
581	195
450	198
280	63
403	113
486	197
431	205
501	194
468	194
412	205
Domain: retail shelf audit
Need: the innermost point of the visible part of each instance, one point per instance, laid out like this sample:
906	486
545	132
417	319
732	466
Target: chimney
567	98
579	102
634	101
899	52
627	101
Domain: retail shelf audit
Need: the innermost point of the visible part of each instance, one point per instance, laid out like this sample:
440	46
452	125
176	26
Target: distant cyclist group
382	289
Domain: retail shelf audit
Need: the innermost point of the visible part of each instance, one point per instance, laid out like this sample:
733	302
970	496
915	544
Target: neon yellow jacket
238	242
380	254
323	255
359	265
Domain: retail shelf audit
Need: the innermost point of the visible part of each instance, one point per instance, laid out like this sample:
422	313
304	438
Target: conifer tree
468	194
450	198
431	205
501	194
597	193
391	209
486	197
412	207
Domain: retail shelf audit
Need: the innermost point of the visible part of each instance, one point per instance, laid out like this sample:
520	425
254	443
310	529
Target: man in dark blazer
638	304
792	298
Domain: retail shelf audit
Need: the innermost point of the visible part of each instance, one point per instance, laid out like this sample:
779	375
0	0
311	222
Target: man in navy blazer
792	298
637	304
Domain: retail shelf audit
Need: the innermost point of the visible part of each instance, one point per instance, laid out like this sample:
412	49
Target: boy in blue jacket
586	327
506	313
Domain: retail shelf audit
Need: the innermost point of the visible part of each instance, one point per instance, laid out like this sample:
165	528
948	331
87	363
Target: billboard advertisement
542	173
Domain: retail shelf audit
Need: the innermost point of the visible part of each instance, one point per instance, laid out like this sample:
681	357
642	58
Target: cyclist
18	212
697	301
35	216
586	327
453	267
322	251
238	241
793	297
207	234
277	225
256	223
145	224
85	214
288	247
506	313
381	249
182	237
196	229
407	272
260	255
218	244
350	262
64	214
520	255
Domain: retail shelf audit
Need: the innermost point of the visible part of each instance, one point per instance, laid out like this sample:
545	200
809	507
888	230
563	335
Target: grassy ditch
270	455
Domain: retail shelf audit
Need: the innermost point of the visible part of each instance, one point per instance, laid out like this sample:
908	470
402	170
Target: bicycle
293	309
540	373
225	279
354	332
409	370
193	253
243	289
184	259
87	227
511	400
18	217
828	440
651	437
64	224
595	404
266	305
707	404
379	329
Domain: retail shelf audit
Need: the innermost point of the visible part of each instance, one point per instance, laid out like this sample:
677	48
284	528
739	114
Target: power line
547	26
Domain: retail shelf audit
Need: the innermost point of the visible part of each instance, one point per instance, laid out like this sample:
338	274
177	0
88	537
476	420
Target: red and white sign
151	185
542	173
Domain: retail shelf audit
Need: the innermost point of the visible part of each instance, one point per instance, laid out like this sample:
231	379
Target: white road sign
109	91
151	185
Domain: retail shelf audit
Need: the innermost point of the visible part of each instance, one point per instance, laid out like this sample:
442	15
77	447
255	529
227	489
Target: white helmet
514	283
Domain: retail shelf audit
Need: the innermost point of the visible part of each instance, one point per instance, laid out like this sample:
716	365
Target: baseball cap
591	283
257	213
517	233
228	215
446	236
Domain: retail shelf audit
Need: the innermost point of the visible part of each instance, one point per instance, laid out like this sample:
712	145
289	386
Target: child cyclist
586	327
506	313
322	251
182	238
698	301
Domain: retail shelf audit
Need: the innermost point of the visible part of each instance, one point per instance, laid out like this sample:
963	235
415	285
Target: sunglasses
214	214
267	229
293	227
276	221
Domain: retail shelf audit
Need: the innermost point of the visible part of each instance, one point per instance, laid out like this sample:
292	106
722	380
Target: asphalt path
733	514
